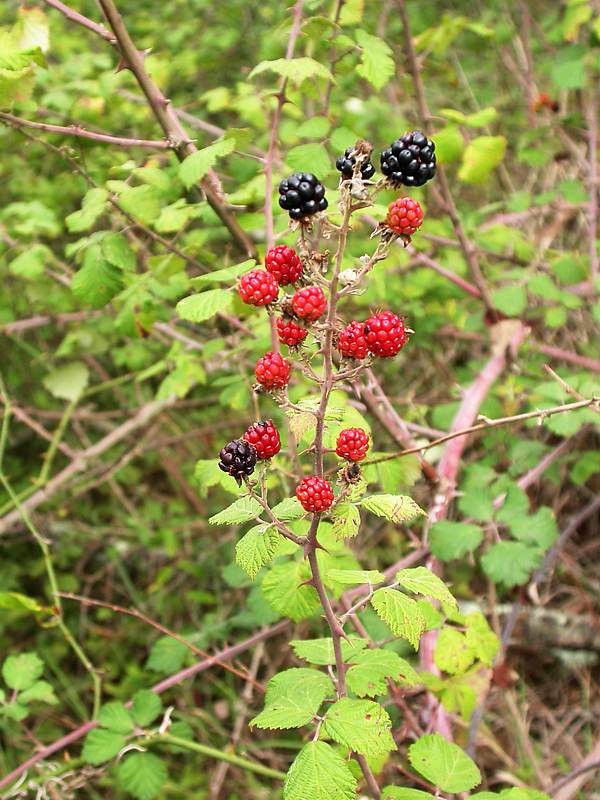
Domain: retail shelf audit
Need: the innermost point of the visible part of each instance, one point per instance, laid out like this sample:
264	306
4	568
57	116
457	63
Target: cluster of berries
409	160
302	195
382	335
239	457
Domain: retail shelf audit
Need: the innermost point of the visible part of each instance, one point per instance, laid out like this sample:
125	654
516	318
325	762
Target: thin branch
82	133
79	19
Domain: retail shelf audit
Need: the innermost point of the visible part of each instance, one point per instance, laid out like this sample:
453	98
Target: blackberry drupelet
409	160
238	458
302	195
345	165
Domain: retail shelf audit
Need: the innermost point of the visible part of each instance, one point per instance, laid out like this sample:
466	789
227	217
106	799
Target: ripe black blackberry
302	195
345	165
409	160
238	458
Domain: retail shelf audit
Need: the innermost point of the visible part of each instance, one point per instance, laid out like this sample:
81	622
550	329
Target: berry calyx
351	341
385	334
302	195
258	287
272	371
264	437
405	216
309	303
315	494
289	333
409	160
284	264
352	444
238	458
345	165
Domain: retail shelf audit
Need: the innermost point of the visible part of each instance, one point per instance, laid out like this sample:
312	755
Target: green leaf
146	707
397	793
400	509
224	275
288	509
67	382
346	521
510	563
319	773
142	202
15	601
143	775
22	671
367	675
353	577
361	725
539	529
402	614
199	307
511	300
196	166
15	710
482	155
296	70
449	144
453	653
166	655
93	206
320	651
293	698
443	764
315	155
569	71
481	638
257	548
115	717
41	691
285	591
241	510
97	281
451	540
421	580
30	263
101	745
117	251
376	60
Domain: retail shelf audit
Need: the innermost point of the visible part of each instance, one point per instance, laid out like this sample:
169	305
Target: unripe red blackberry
258	287
385	334
409	160
284	264
264	437
351	341
272	371
309	303
290	333
302	195
314	494
352	444
404	216
238	458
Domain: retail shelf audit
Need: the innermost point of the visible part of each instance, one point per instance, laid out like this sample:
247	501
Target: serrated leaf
115	717
539	529
15	710
319	773
400	509
97	281
67	382
296	70
196	166
285	591
421	580
444	764
354	577
257	548
30	263
346	521
241	510
377	63
142	202
146	706
288	509
199	307
367	675
453	653
481	638
117	251
482	155
225	275
510	563
166	655
143	775
22	671
449	540
315	155
15	601
101	745
93	206
361	725
321	652
402	615
293	698
41	691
